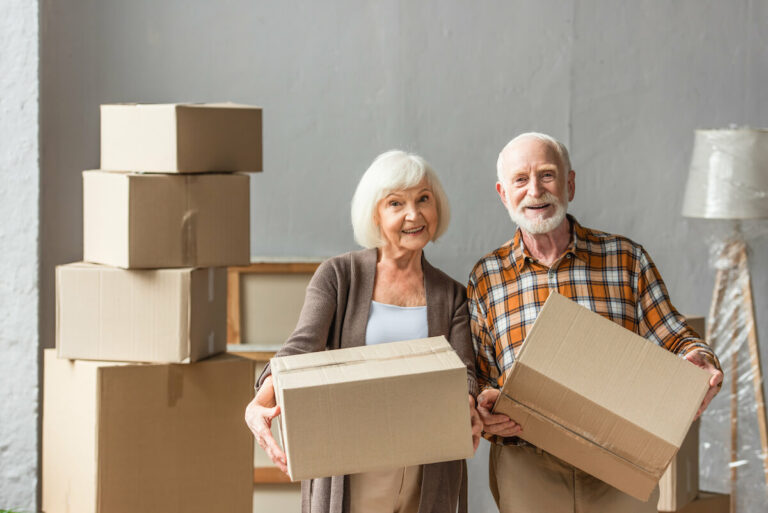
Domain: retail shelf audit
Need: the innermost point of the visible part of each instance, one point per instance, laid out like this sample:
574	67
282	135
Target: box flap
582	418
352	355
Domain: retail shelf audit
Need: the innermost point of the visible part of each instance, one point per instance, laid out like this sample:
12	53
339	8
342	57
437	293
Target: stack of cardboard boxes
162	218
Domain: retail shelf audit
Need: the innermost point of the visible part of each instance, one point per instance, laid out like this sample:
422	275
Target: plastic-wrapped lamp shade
728	178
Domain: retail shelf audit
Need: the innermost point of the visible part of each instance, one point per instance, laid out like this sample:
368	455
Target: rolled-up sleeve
658	320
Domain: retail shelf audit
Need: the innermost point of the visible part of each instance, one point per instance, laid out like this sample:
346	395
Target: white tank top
391	323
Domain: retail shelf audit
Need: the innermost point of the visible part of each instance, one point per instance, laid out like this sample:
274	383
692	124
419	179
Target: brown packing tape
175	384
189	226
211	291
189	238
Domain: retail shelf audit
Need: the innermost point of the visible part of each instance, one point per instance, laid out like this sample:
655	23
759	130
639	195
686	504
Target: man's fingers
491	419
511	431
507	428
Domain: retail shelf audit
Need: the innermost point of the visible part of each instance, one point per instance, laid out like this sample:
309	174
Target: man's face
535	188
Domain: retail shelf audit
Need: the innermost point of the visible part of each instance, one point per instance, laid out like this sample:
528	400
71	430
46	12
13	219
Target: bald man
609	274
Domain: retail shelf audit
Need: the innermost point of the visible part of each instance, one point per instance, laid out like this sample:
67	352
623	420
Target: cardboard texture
123	438
164	316
679	485
600	397
371	408
707	502
698	324
175	138
134	220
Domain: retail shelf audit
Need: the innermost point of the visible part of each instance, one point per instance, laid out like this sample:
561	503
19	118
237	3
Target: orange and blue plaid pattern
608	274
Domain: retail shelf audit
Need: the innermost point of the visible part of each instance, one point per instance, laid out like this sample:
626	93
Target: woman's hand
259	415
477	424
495	424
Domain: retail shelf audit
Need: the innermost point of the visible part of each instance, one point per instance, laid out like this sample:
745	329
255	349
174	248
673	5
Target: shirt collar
577	247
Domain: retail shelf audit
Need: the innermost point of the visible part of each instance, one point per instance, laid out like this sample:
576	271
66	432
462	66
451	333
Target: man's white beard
539	224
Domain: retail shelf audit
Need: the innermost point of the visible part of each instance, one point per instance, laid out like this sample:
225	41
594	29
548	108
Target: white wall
19	183
623	83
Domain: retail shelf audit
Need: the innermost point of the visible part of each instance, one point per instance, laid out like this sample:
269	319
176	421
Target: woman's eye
394	203
424	198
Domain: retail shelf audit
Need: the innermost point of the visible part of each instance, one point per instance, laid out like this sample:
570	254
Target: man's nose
535	188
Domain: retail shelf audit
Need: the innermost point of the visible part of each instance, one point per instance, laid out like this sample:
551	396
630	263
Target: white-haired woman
384	293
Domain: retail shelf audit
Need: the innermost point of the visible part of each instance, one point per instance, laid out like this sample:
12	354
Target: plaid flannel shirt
608	274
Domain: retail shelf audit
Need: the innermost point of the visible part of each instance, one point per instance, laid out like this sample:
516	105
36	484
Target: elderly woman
385	293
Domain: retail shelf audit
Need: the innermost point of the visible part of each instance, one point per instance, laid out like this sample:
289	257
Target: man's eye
520	179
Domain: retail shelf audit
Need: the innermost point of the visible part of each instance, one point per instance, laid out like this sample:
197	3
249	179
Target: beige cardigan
335	315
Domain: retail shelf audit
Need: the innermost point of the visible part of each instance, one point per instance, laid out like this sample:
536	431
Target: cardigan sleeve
460	338
313	327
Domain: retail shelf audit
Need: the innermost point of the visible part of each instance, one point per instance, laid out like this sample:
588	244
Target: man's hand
704	360
500	425
477	424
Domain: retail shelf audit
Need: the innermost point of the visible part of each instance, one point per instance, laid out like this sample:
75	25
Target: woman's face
407	218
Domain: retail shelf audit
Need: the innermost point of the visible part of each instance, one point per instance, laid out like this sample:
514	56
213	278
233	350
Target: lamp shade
728	178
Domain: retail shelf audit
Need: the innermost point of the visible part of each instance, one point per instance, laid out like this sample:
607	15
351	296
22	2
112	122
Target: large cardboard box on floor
135	220
600	397
181	138
124	438
680	483
163	315
707	502
371	408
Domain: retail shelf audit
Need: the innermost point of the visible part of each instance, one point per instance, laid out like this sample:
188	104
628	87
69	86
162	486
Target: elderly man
551	251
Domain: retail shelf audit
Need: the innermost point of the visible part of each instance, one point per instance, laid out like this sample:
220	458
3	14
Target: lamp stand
736	274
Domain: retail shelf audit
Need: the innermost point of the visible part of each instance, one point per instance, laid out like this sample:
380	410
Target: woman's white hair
559	147
393	171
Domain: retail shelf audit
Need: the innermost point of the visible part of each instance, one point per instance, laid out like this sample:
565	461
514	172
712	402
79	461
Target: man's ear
502	193
571	184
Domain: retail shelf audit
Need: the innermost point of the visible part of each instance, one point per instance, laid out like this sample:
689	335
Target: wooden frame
261	475
276	266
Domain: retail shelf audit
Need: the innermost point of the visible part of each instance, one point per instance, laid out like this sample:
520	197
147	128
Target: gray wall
19	211
624	84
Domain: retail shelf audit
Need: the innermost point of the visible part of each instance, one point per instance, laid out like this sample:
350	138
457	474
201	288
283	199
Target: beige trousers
525	479
388	491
